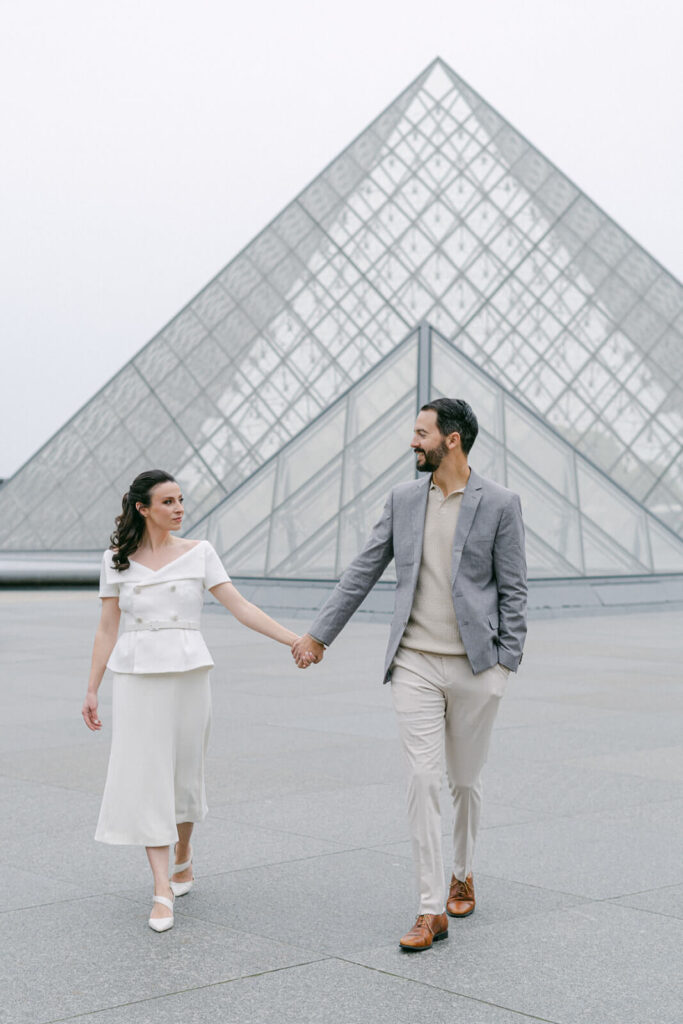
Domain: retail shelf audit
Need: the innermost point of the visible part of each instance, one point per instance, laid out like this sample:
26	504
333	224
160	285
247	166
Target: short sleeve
214	570
107	589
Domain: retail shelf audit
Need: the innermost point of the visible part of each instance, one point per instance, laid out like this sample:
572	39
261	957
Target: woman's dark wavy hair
130	525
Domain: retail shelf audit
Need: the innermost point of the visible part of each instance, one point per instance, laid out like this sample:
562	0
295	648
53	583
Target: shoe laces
460	889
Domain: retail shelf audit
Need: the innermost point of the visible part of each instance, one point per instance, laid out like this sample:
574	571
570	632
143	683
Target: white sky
144	142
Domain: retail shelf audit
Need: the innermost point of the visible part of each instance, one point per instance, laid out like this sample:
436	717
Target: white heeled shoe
162	924
181	888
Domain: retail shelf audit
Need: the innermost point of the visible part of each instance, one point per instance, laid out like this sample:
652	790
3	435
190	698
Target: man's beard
432	459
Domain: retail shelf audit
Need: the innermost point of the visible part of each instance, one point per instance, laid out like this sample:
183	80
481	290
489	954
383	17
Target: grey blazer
488	571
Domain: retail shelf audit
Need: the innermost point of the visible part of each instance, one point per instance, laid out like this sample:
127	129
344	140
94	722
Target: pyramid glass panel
341	468
439	211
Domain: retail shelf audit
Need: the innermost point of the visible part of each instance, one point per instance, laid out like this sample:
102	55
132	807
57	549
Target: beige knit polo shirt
432	626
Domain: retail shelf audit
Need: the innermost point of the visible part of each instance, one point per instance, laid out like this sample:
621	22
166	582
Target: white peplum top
160	611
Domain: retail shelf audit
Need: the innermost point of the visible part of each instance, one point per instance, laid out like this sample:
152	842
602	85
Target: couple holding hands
458	629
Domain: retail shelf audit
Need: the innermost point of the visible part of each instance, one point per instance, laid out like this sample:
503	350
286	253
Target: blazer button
172	587
138	620
174	618
136	590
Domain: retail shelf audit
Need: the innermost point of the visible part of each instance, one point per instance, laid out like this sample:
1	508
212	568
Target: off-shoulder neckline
172	562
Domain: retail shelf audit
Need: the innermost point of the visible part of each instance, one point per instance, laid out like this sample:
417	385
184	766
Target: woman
154	791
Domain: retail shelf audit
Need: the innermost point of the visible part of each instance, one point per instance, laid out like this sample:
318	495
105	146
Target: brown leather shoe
461	901
427	929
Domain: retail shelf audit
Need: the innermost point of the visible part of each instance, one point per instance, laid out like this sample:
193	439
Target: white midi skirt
160	732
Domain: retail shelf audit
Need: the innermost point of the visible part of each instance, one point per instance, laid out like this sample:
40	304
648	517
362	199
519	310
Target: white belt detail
137	627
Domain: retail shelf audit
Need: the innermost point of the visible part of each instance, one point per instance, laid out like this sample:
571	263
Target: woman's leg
182	851
158	861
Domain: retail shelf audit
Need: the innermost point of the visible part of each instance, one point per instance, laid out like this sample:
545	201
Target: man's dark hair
455	416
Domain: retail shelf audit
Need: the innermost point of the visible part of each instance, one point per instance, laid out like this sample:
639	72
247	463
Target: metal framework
307	511
439	211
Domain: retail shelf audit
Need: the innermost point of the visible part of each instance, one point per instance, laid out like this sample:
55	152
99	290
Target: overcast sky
144	142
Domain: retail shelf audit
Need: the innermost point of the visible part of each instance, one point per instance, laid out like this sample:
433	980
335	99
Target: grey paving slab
667	900
39	736
81	766
569	787
523	706
368	723
336	903
358	816
265	775
622	734
22	889
88	954
596	855
234	736
595	964
39	808
296	710
223	844
327	992
72	856
664	818
305	848
658	763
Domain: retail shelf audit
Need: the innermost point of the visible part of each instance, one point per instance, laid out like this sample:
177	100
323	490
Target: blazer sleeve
509	561
358	579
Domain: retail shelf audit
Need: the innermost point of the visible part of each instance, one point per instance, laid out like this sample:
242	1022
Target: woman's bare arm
251	615
105	638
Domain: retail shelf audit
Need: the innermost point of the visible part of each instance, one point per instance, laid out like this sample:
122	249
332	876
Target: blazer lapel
418	512
468	508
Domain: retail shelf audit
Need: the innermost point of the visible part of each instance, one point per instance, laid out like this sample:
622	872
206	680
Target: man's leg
419	702
471	708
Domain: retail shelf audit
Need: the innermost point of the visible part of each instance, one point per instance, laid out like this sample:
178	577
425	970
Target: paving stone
359	816
594	963
326	992
330	767
304	856
80	766
335	903
42	809
81	956
664	763
596	855
21	889
667	900
569	787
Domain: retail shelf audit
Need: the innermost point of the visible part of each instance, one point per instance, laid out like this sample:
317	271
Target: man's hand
307	651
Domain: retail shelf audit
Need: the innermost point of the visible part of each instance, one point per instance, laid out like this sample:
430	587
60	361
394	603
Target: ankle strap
166	902
177	868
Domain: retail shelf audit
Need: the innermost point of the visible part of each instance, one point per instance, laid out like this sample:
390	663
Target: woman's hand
307	651
89	712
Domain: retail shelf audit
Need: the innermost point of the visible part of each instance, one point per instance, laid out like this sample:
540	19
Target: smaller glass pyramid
309	509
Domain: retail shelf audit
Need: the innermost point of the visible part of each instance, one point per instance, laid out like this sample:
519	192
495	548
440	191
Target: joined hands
307	651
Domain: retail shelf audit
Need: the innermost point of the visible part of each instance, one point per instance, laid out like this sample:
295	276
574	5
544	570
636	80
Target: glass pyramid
439	210
308	510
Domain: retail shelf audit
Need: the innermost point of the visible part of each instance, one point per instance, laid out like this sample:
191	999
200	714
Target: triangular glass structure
438	210
308	510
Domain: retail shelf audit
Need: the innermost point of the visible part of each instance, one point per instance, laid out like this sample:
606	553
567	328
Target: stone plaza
304	876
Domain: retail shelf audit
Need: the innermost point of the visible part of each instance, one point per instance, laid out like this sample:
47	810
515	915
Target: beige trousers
442	707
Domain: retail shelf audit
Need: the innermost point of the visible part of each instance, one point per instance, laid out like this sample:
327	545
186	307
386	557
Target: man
458	629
